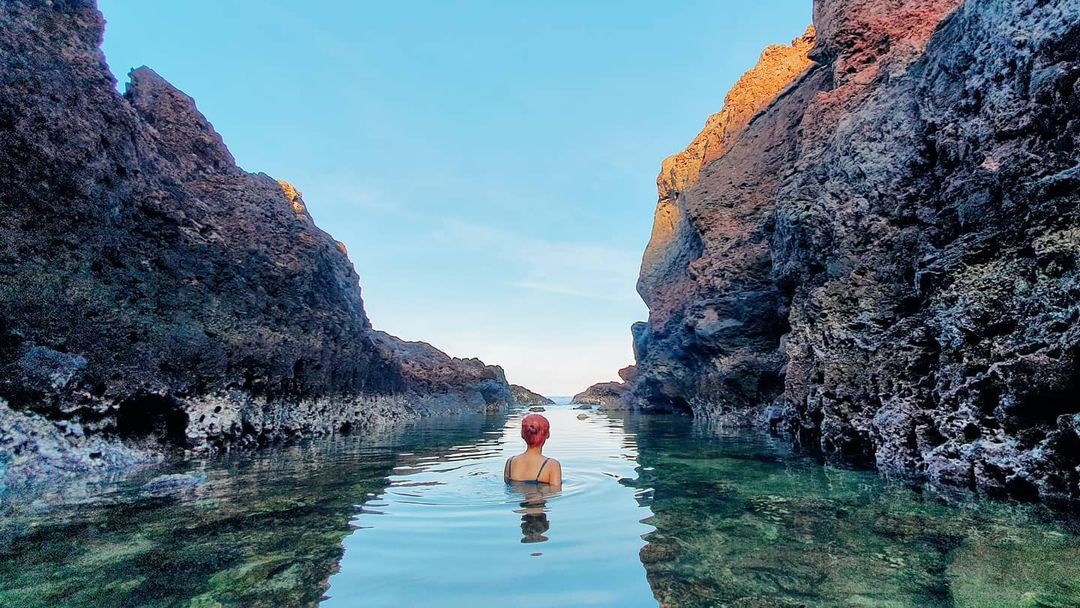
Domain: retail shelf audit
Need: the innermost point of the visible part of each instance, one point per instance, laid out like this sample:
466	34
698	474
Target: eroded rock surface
610	395
884	261
607	394
523	396
152	290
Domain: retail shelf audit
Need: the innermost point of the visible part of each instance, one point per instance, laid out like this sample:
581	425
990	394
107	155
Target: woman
531	465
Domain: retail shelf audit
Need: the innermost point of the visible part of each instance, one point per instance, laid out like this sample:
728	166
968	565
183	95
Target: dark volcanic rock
705	273
523	396
151	289
441	383
602	393
34	448
610	395
885	257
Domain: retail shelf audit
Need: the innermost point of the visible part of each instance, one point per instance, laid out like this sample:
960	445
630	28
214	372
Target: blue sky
491	166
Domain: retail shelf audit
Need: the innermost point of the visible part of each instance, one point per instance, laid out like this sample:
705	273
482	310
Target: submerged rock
881	246
154	291
173	484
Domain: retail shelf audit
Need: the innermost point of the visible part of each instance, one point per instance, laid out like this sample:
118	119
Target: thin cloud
588	270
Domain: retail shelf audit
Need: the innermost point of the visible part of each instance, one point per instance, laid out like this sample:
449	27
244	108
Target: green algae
264	530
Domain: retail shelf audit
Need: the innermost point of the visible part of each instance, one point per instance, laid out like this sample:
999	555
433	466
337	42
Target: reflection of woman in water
535	476
531	465
533	511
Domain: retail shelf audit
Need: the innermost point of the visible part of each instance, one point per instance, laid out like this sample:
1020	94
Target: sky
490	165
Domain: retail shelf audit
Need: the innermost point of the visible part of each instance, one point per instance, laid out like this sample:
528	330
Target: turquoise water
743	521
447	525
653	510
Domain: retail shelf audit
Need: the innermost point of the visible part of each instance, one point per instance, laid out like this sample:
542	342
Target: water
653	509
448	524
743	521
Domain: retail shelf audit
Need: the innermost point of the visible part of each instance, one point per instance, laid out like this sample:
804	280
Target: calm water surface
447	527
653	510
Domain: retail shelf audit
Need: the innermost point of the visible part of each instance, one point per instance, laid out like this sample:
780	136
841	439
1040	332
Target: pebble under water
654	509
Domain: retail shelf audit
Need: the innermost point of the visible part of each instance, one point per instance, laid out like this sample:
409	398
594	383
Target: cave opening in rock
152	416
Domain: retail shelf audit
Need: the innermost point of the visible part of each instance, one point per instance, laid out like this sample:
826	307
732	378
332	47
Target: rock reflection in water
265	529
742	520
451	528
421	512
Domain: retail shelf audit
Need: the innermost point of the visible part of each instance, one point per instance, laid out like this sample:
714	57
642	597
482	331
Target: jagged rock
34	448
45	369
705	273
428	371
151	289
523	396
607	395
884	258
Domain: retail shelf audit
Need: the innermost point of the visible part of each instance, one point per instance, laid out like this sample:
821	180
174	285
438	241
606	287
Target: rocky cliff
152	290
881	253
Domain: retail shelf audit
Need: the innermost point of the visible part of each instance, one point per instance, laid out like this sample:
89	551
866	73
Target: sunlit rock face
714	312
152	289
667	248
885	260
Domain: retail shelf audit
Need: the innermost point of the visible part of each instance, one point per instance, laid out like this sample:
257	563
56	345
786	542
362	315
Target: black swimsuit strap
541	469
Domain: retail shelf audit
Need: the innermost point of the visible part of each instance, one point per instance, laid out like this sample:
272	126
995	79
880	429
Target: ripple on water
419	515
461	529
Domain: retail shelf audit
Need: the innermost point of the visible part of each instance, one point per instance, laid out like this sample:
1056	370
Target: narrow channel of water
654	508
447	527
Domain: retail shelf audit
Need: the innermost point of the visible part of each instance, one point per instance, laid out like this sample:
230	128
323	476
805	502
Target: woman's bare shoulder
555	472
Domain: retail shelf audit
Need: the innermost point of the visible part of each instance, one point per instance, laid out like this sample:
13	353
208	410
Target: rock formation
152	290
609	395
877	246
523	396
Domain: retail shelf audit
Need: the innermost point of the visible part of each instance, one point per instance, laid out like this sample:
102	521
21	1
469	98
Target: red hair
535	430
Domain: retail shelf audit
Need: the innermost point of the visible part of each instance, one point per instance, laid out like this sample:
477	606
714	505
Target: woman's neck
538	450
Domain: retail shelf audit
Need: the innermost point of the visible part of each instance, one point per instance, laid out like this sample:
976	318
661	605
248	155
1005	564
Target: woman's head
535	430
